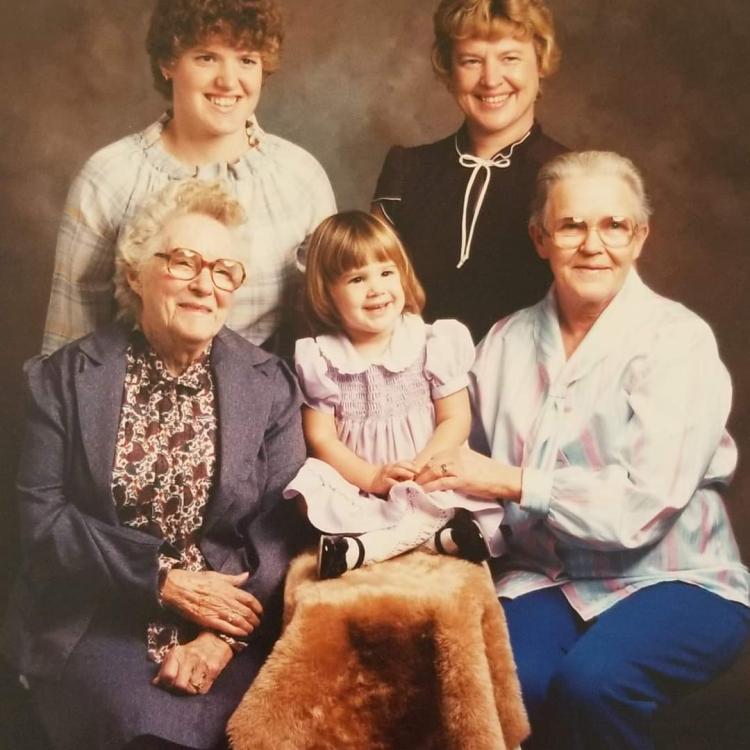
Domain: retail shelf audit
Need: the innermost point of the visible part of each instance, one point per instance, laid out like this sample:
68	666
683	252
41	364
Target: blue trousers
598	684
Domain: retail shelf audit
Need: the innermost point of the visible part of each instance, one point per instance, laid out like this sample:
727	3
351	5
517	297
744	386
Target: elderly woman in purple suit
155	453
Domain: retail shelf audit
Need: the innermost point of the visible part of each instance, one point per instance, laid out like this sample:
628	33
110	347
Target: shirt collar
406	344
624	313
462	143
196	378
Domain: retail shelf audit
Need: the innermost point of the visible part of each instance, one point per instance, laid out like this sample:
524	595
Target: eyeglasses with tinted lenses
613	231
185	265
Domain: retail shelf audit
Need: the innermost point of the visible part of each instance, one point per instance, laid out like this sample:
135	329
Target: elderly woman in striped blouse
603	412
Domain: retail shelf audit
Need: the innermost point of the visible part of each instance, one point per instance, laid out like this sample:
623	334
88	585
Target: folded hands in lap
214	601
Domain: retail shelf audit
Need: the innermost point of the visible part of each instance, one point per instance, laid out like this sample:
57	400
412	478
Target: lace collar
407	343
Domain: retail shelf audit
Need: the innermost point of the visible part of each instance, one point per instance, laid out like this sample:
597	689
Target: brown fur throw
408	654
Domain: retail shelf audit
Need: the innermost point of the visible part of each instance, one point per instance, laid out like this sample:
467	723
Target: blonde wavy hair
489	19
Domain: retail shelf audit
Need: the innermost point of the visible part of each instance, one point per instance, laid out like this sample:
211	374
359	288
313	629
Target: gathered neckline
157	155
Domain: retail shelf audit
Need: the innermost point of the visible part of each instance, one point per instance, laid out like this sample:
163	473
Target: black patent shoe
467	536
332	555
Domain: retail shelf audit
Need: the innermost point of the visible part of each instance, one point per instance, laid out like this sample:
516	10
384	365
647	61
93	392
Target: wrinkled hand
467	471
389	474
193	667
212	600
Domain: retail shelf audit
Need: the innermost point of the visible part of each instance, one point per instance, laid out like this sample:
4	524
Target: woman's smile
194	307
223	102
495	83
180	317
495	101
215	90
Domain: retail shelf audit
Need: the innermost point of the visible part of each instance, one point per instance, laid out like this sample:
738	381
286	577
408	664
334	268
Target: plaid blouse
283	189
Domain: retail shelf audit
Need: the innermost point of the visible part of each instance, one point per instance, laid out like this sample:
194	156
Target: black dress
422	190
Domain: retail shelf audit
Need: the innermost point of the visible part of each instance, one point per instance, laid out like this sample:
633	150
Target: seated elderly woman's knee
589	684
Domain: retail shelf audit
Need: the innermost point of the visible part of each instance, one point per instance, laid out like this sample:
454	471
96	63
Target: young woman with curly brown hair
209	58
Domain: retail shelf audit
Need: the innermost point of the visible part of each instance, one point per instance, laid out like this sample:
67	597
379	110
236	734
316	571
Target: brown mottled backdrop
665	83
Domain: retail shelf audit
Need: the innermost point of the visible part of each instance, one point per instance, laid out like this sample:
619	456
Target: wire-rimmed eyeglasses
185	265
571	232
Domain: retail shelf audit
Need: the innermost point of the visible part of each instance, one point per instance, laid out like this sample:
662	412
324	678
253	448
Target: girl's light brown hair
345	241
489	19
178	25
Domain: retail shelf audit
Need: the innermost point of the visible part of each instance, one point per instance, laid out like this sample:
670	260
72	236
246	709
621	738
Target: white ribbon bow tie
477	164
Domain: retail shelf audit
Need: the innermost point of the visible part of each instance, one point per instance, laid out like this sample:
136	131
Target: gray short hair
587	163
138	241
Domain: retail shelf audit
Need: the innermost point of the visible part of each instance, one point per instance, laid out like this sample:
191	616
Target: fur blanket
409	654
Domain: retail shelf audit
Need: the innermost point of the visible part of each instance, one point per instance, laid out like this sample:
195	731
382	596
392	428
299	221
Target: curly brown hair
178	25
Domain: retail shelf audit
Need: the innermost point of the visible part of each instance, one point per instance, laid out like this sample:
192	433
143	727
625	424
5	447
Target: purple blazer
77	556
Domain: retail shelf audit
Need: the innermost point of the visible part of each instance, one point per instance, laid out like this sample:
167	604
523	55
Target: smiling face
589	276
495	83
369	301
215	89
180	318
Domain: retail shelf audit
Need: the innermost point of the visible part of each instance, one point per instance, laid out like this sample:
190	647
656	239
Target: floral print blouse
165	459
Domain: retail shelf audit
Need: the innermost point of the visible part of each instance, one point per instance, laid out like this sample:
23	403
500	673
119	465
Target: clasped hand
464	470
193	667
387	475
214	601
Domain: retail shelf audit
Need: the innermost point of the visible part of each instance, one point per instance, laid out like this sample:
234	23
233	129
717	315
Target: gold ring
231	618
196	686
444	469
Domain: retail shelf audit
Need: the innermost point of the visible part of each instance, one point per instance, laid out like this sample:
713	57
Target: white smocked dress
384	412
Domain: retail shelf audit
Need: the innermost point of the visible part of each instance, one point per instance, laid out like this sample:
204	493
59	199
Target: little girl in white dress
383	392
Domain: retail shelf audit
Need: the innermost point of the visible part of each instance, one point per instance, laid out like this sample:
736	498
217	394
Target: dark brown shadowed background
665	83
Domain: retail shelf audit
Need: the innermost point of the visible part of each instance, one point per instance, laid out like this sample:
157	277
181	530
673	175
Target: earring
252	138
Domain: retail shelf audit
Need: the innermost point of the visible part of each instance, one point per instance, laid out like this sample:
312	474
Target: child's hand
389	474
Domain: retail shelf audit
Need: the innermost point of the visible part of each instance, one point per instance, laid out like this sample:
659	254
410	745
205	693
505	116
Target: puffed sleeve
449	355
317	203
81	299
318	390
389	191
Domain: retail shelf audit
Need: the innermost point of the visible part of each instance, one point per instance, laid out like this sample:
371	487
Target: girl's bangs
359	253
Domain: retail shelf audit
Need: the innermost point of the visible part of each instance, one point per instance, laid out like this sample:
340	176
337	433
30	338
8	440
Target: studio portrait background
664	83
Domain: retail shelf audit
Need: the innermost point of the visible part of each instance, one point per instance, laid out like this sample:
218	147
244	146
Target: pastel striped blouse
283	189
624	449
